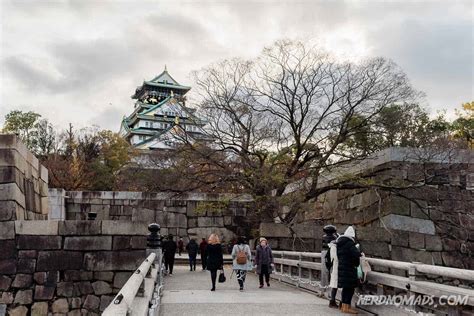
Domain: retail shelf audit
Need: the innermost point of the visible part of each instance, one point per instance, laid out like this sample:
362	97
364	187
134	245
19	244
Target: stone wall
23	182
67	266
188	215
433	223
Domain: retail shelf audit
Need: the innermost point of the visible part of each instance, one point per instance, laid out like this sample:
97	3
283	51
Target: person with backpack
192	249
242	260
215	259
348	256
264	261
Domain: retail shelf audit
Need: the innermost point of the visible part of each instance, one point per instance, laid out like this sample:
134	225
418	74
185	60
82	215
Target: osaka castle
161	118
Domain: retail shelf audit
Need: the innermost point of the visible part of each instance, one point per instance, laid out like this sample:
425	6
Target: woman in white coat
334	267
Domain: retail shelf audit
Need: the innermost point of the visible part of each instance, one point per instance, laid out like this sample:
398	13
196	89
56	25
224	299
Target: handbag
222	277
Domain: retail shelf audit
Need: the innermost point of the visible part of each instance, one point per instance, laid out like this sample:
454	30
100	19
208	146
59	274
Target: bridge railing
300	268
141	294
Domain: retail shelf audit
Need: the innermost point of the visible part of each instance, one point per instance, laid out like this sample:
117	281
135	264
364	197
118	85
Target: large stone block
176	209
143	215
102	210
36	227
26	265
83	288
75	302
374	248
7	229
121	242
124	228
433	243
138	242
12	158
114	260
24	297
75	275
373	234
399	238
59	260
44	293
105	300
7	266
417	240
403	254
406	223
104	276
39	309
210	221
171	219
65	289
6	298
92	303
35	242
101	287
86	227
5	282
88	243
7	249
120	279
9	210
18	311
60	306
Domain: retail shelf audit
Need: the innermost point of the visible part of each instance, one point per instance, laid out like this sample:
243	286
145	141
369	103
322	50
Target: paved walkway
188	293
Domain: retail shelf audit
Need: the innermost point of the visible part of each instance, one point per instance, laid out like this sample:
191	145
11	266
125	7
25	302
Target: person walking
215	259
192	248
348	256
329	253
332	263
180	246
242	260
264	261
202	250
169	251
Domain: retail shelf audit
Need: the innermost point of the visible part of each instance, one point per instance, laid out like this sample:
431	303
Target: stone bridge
55	261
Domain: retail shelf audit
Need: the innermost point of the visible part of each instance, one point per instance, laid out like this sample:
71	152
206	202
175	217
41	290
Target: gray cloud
86	55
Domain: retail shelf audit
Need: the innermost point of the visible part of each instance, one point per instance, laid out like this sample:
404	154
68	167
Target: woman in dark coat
215	259
192	248
264	261
348	260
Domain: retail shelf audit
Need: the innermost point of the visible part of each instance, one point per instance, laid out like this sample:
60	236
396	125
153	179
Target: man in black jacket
169	251
348	256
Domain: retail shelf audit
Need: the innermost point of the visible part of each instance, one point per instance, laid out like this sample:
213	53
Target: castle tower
160	115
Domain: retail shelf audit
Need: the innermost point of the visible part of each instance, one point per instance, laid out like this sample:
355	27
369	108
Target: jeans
346	295
213	278
264	271
192	262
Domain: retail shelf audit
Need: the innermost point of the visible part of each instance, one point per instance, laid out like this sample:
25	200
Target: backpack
241	256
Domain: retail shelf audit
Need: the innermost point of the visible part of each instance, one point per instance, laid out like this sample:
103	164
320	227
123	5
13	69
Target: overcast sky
79	61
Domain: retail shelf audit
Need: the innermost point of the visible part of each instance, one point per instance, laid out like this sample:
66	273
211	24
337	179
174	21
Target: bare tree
287	118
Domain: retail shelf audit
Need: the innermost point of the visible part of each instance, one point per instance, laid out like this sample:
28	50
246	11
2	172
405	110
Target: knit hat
263	239
350	232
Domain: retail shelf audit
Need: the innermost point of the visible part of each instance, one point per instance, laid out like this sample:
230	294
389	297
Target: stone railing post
154	246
